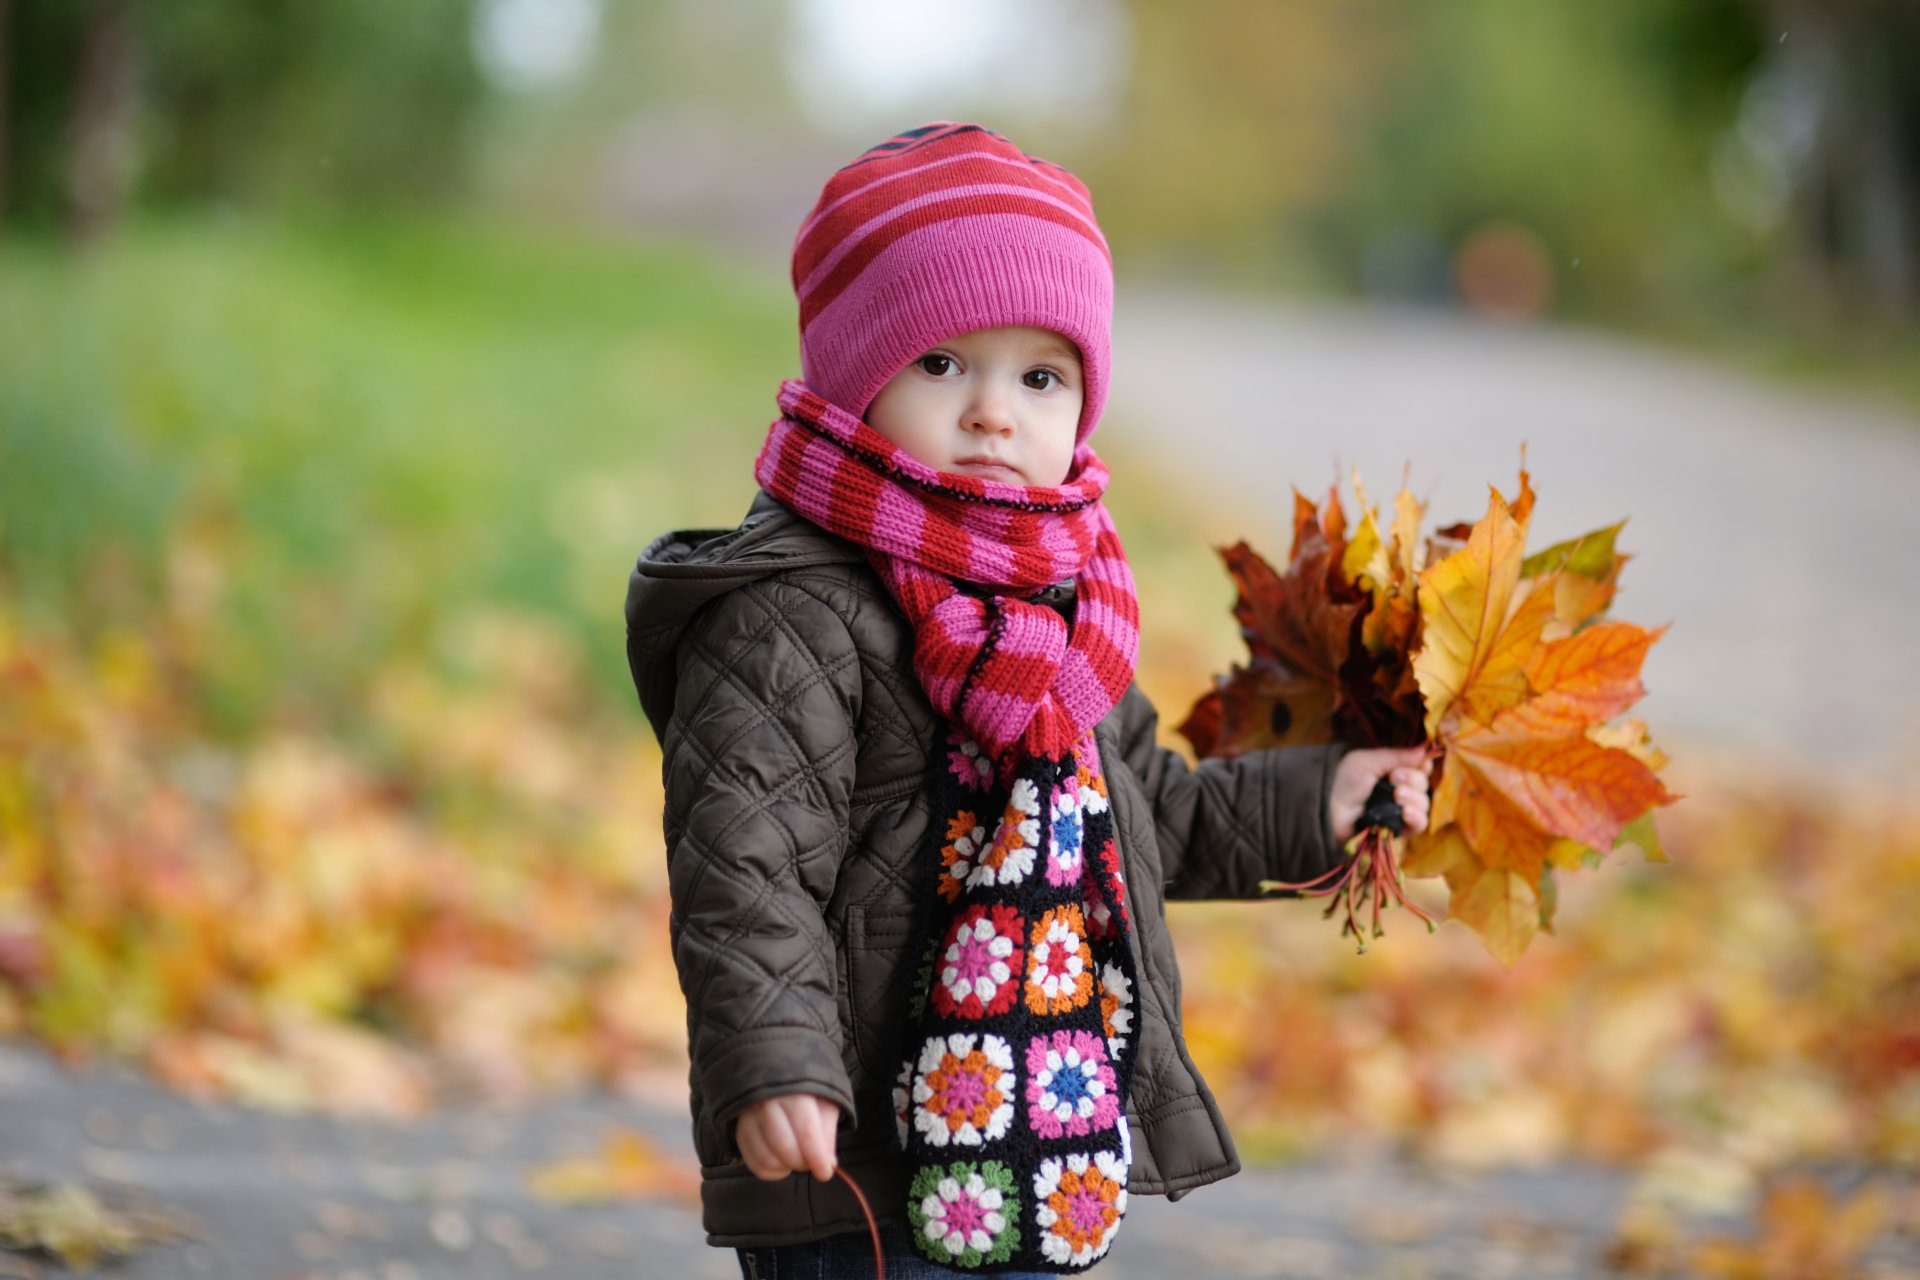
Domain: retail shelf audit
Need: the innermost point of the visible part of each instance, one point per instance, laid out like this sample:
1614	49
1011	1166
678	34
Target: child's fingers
815	1119
760	1162
1413	804
1410	787
781	1143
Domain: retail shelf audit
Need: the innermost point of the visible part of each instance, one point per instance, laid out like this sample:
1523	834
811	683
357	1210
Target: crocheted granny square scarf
1009	1100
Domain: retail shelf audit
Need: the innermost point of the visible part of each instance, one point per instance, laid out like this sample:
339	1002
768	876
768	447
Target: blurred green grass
372	424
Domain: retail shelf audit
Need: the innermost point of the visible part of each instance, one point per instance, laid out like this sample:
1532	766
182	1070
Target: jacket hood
681	571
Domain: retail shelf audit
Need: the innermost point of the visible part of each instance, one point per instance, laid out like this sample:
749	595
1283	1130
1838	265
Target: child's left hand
1359	770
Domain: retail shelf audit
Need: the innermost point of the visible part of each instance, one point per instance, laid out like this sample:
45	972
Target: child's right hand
793	1133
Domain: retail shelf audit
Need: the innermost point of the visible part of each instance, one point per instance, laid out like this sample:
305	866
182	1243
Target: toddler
919	830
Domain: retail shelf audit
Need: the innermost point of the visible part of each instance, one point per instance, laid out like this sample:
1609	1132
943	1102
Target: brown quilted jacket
798	768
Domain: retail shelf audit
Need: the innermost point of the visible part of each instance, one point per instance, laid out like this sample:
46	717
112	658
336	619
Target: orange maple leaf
1589	677
1514	792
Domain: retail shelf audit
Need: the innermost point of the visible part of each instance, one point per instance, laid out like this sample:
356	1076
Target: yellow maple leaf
1466	655
1500	905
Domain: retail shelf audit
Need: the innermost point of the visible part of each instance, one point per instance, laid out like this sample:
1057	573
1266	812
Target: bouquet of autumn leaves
1503	663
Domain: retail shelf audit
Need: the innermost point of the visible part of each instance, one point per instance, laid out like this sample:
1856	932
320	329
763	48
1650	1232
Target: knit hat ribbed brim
940	231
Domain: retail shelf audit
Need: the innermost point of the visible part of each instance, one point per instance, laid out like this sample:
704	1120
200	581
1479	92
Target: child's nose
990	410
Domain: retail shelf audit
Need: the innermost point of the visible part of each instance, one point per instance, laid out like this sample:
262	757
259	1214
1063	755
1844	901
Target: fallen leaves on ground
1802	1231
626	1166
461	897
70	1222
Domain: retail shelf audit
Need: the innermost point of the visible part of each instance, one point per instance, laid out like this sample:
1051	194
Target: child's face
1001	404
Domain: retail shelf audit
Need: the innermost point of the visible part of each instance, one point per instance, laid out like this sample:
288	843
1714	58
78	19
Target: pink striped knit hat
939	231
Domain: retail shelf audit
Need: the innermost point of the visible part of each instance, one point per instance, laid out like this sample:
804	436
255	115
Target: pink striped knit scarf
1009	1097
1011	671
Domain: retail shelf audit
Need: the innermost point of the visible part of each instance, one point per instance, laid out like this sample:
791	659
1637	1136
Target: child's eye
1041	379
936	364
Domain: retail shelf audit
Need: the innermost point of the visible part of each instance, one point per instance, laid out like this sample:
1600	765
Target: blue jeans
850	1257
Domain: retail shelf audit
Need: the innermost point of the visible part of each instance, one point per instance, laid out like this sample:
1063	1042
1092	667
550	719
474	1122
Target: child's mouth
988	470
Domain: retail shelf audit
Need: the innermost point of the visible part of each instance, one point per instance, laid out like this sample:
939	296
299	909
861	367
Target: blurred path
306	1197
1773	526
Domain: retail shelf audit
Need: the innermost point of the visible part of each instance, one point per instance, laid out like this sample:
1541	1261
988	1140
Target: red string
873	1228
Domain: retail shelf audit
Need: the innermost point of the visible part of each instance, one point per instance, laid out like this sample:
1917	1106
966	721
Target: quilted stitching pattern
759	775
796	763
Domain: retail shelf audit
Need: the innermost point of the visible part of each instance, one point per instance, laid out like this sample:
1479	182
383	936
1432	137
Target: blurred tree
100	125
1847	70
253	100
358	99
40	43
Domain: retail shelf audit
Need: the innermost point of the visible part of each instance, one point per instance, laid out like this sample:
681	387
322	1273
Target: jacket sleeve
1225	825
759	768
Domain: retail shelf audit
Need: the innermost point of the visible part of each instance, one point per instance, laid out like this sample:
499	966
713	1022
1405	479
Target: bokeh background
350	351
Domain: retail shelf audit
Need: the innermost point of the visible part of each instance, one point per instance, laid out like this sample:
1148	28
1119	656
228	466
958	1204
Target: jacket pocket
879	957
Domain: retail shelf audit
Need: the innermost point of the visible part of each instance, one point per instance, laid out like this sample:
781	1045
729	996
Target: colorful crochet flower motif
1008	859
959	857
964	759
1059	962
963	1094
1092	788
965	1213
1099	915
1116	1008
1078	1203
979	967
1063	859
1071	1089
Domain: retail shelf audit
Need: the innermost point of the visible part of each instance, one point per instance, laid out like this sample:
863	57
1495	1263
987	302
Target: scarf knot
1021	680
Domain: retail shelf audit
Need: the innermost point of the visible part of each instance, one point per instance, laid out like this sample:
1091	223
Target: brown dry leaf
1290	618
1260	706
1297	639
1327	523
